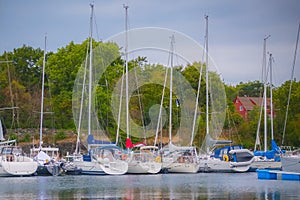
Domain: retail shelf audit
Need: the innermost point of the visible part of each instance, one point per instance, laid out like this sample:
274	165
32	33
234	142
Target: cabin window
241	108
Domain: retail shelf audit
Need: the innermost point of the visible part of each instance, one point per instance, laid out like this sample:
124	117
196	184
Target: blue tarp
92	140
270	154
109	147
275	147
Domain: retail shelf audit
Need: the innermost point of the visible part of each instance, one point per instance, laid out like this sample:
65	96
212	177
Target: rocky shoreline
66	145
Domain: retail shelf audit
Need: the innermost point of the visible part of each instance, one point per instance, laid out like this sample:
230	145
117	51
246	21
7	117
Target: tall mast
126	71
264	75
171	89
90	70
120	105
263	102
42	97
271	98
206	65
122	84
81	103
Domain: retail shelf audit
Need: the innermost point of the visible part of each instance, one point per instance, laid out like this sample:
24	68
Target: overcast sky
236	28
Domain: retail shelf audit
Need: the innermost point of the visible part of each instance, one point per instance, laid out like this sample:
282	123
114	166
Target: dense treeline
20	86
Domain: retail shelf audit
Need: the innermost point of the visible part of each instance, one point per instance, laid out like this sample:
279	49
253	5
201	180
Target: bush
61	135
26	138
13	136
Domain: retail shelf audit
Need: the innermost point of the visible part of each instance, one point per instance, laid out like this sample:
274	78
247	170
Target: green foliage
231	93
251	89
233	119
26	65
60	136
247	135
292	131
13	136
36	136
26	138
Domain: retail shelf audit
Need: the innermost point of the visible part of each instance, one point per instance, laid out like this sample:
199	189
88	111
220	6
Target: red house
245	104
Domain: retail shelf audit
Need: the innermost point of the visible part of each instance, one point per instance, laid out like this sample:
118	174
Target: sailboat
266	159
142	159
103	156
13	161
177	159
46	157
226	159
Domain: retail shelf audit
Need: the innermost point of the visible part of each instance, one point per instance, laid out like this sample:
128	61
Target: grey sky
236	28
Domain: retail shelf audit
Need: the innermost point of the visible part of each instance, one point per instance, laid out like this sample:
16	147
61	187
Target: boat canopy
109	147
92	140
218	153
270	154
42	157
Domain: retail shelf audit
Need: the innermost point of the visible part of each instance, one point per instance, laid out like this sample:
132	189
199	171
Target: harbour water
159	186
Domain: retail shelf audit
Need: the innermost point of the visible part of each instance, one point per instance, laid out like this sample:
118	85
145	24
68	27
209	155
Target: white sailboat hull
146	160
89	168
116	167
180	166
177	167
183	168
180	159
21	166
217	165
137	167
109	158
236	160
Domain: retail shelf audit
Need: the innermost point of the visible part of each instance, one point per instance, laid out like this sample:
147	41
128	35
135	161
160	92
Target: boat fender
158	159
225	158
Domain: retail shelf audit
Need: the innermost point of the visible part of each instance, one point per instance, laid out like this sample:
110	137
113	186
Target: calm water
160	186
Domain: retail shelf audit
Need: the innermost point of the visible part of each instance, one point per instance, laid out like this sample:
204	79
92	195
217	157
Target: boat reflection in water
156	186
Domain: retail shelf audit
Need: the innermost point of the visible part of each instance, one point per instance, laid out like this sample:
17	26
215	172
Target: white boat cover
42	158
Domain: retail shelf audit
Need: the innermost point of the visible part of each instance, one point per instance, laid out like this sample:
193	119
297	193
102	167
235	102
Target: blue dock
277	175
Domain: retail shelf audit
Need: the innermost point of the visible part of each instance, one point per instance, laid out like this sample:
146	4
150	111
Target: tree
281	101
27	71
16	86
250	89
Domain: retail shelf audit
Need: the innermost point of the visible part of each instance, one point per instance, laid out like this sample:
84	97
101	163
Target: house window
241	108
